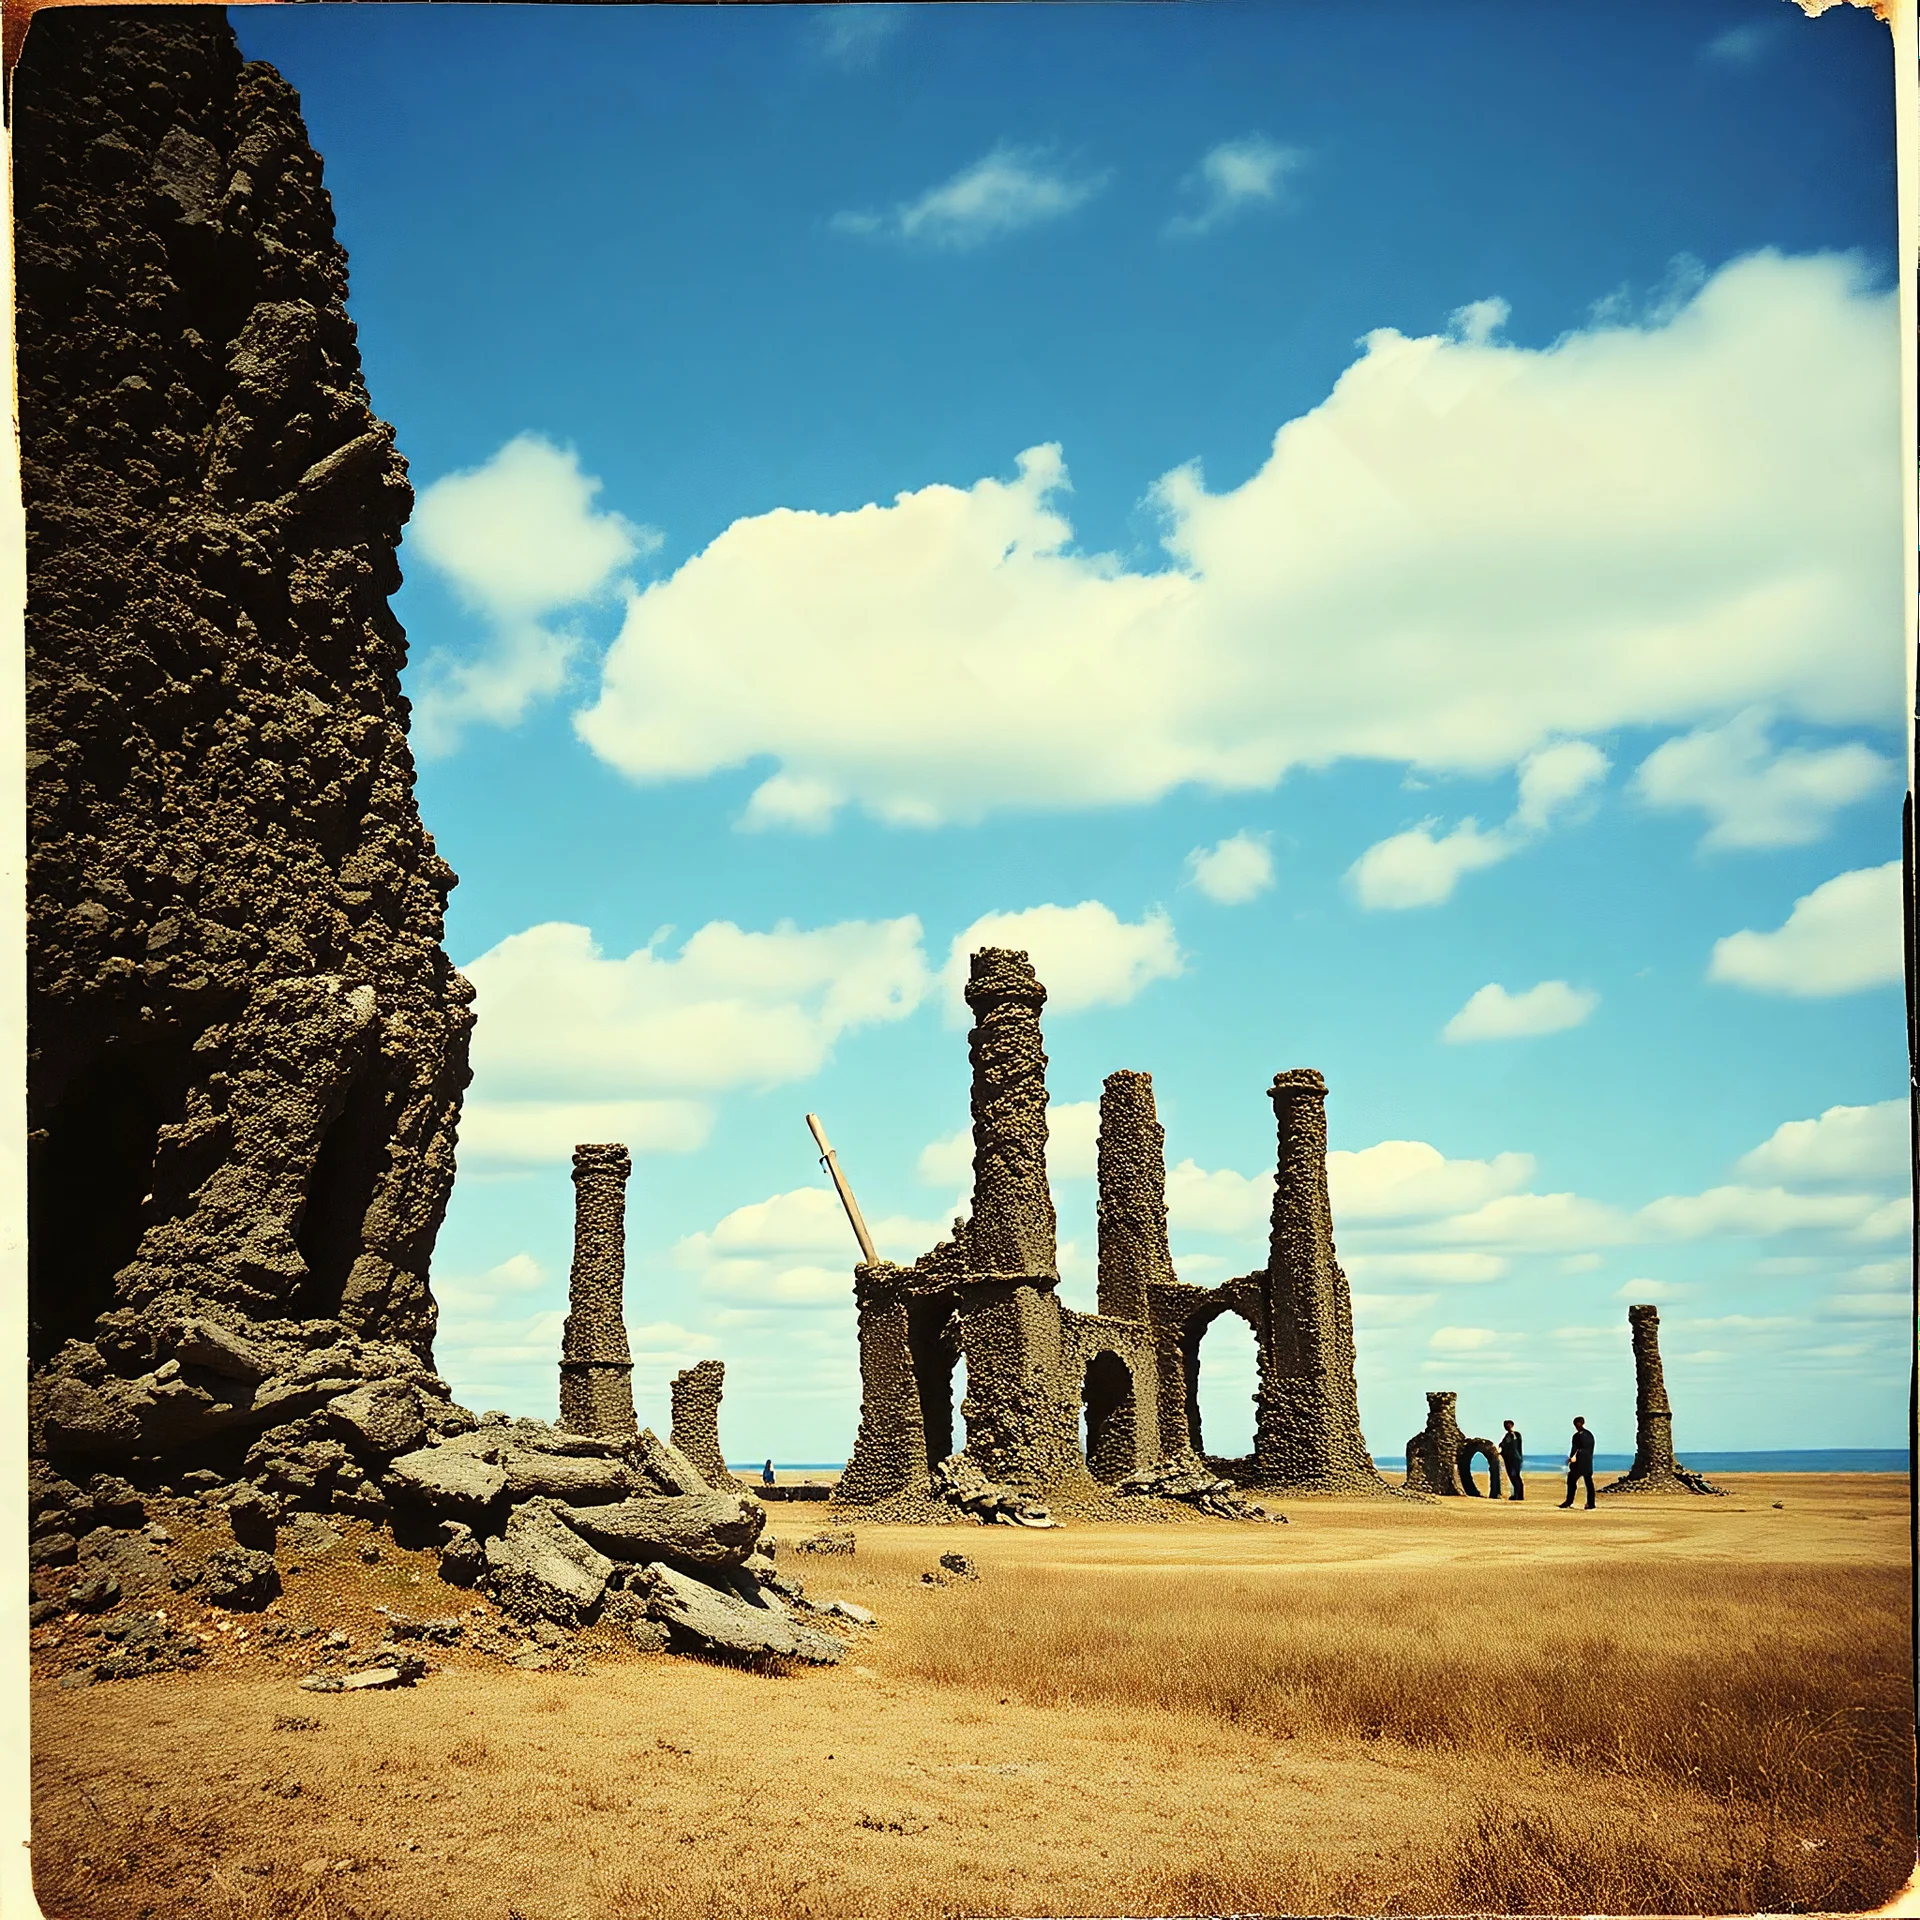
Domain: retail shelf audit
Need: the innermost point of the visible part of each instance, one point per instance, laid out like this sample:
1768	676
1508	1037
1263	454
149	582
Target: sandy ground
651	1785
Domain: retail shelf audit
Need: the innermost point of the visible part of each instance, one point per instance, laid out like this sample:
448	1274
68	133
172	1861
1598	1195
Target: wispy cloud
1495	1014
852	36
1004	192
1233	176
1234	872
1742	46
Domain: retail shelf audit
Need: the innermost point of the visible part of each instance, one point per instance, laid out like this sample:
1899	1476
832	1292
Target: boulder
254	1517
205	1343
114	1502
463	1560
381	1419
698	1530
580	1478
241	1577
540	1569
96	1593
833	1542
664	1467
447	1479
704	1619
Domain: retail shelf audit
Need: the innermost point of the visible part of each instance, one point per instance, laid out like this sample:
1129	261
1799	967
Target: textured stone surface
695	1399
246	1048
566	1477
748	1623
540	1569
1654	1468
596	1365
698	1530
447	1481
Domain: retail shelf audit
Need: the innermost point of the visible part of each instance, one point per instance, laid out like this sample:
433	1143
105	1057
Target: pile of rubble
958	1481
1188	1478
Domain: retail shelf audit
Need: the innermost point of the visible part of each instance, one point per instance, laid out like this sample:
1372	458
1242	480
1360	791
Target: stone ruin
246	1046
695	1401
988	1296
1654	1468
1440	1459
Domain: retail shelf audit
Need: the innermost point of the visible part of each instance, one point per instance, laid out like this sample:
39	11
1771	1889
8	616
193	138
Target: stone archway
933	1350
1463	1464
1242	1334
1109	1412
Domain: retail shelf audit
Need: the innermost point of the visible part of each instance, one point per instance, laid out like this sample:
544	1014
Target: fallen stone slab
541	1569
700	1530
838	1542
365	1679
707	1619
846	1610
447	1480
801	1491
582	1479
664	1466
382	1418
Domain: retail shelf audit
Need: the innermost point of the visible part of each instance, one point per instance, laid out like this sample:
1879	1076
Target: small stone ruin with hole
1440	1459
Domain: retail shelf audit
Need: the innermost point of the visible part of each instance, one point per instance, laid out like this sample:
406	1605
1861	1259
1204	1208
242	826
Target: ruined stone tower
1308	1431
246	1047
695	1400
1654	1468
596	1364
1440	1457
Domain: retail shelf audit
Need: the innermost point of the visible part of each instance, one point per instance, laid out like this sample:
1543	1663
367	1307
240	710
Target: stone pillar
1132	1205
596	1365
1012	1232
1308	1429
695	1397
890	1449
1652	1414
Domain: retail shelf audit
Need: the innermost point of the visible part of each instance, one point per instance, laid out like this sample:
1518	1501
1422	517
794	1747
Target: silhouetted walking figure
766	1474
1579	1462
1511	1452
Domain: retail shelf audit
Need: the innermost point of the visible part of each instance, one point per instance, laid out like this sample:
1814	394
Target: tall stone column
596	1365
1652	1412
1013	1223
1308	1422
1132	1205
1654	1468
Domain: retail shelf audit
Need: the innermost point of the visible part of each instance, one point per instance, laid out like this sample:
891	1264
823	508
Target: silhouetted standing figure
1579	1462
1512	1454
766	1474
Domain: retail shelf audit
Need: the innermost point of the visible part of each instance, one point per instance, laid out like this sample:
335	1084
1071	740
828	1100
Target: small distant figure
1512	1453
766	1474
1579	1463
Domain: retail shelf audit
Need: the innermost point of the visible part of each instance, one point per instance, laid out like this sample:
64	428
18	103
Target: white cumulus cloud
518	539
792	1251
568	1037
1755	795
1011	188
1411	1180
1468	552
1234	175
1461	1339
1495	1014
1202	1200
1845	1144
1843	937
1085	955
1234	872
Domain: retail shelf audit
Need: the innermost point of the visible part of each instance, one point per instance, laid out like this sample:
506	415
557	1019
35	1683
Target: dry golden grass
1664	1707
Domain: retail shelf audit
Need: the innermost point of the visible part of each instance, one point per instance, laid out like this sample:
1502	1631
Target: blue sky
1366	538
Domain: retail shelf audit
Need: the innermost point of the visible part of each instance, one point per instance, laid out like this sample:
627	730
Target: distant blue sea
1803	1460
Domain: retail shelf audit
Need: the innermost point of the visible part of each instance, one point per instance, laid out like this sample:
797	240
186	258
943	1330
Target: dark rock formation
1440	1458
246	1046
1654	1468
596	1364
695	1399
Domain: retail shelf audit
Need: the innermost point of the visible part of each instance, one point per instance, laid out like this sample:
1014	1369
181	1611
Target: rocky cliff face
247	1048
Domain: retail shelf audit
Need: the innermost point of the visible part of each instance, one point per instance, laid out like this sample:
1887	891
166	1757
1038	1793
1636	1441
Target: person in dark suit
1579	1462
1515	1458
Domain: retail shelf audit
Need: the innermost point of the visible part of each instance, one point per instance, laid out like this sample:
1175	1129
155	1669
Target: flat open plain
1668	1705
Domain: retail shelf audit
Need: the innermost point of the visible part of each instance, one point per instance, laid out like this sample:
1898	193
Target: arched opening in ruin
933	1347
1107	1418
1485	1450
340	1187
88	1182
1220	1410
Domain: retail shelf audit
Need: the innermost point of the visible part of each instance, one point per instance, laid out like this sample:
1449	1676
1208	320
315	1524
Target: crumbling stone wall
246	1047
696	1420
1034	1369
596	1364
1654	1468
1440	1458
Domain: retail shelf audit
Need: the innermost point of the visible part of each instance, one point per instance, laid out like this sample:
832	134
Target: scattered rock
540	1569
241	1577
958	1480
382	1419
708	1620
447	1480
846	1610
463	1560
114	1502
370	1553
254	1518
840	1542
53	1550
959	1564
698	1530
400	1673
294	1723
1187	1478
95	1594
